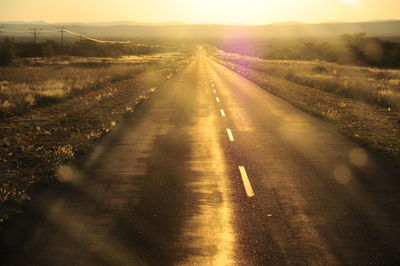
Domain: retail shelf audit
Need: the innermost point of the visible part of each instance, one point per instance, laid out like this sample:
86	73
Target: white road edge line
246	182
230	135
222	112
217	99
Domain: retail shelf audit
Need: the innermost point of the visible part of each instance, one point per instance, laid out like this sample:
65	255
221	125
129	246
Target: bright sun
351	2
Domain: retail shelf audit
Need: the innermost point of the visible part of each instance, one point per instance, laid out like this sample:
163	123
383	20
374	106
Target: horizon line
173	23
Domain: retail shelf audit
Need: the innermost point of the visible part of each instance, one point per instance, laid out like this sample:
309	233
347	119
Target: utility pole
81	37
35	32
34	48
62	36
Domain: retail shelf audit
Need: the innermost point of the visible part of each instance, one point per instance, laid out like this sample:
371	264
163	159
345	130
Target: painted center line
217	99
246	182
230	135
222	112
214	91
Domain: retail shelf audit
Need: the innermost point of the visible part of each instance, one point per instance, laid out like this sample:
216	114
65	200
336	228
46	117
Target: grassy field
48	81
363	103
52	113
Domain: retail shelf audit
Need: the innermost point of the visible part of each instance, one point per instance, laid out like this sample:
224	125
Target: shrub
7	52
319	69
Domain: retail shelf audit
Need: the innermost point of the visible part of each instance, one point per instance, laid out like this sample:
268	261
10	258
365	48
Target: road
213	170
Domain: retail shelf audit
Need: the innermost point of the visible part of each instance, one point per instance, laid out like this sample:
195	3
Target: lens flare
358	157
342	174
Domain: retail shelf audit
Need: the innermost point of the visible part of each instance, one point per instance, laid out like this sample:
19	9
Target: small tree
47	49
7	52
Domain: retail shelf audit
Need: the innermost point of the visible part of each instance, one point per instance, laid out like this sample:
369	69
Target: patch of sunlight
209	228
52	84
54	88
387	92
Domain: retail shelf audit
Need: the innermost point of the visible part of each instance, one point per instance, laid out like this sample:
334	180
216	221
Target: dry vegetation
25	88
52	114
364	103
32	85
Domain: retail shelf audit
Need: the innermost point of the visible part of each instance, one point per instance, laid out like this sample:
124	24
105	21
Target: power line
93	39
63	30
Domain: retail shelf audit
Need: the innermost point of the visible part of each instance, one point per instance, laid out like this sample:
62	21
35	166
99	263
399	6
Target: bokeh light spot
66	174
358	157
342	174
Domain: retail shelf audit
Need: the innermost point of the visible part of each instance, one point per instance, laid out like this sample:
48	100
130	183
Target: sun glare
351	2
251	12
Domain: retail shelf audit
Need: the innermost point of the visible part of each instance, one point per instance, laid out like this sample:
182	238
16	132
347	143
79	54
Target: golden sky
196	11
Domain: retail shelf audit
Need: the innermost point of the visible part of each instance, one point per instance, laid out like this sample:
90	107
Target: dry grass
369	85
31	85
25	88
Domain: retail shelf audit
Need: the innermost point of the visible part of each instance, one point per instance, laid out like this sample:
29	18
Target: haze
252	12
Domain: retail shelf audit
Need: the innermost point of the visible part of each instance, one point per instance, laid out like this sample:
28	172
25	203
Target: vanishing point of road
214	170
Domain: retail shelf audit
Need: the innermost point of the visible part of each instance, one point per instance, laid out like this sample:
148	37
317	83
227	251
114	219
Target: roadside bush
291	75
372	51
7	52
85	48
319	69
354	49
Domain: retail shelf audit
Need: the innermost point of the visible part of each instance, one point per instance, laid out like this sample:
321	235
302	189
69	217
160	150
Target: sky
250	12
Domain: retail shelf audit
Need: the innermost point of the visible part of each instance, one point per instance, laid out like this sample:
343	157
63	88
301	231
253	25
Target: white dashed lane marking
230	135
246	182
242	170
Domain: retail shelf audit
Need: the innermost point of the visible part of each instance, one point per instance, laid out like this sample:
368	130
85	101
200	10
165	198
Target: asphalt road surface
213	170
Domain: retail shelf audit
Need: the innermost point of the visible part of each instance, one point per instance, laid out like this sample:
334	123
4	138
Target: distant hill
121	23
176	30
